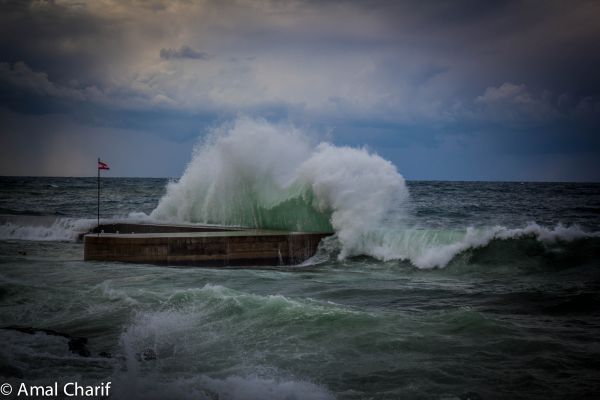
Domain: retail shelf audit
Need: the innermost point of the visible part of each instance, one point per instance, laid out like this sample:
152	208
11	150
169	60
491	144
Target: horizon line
406	179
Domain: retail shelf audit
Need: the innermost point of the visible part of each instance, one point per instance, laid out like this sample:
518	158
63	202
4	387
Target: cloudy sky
461	90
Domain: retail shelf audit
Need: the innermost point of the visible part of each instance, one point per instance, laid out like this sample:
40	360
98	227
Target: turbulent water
436	290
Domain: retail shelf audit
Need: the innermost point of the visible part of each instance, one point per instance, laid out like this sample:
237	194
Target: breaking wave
184	329
427	249
255	174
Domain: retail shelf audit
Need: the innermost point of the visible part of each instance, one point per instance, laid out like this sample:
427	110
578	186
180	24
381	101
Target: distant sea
482	291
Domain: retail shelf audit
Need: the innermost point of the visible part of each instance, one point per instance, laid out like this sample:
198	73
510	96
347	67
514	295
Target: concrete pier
200	245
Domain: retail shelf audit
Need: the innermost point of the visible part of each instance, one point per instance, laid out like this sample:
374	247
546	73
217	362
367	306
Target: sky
460	90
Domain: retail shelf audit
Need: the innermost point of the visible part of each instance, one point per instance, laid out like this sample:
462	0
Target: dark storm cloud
183	52
481	44
546	45
63	42
513	77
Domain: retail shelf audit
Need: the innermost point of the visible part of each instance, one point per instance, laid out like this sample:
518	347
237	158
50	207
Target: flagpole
98	167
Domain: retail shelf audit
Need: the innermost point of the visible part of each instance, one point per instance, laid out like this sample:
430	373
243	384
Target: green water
512	318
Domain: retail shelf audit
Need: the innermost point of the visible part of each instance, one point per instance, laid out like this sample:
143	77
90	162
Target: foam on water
60	229
185	328
427	249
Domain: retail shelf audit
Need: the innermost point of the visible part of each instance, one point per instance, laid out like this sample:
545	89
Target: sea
427	290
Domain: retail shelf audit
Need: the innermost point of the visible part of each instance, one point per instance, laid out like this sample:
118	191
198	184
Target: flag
102	165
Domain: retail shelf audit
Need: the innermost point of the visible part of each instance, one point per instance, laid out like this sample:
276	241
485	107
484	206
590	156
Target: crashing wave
427	250
256	174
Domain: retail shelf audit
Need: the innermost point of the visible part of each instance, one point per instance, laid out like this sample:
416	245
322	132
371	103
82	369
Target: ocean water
428	290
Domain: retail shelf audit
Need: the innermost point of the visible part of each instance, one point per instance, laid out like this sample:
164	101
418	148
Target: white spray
257	174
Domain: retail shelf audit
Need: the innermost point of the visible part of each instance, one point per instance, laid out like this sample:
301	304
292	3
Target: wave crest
256	174
427	249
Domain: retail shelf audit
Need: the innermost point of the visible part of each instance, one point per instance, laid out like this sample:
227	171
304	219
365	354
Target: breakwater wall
200	245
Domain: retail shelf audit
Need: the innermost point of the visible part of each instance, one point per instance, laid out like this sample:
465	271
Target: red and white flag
102	165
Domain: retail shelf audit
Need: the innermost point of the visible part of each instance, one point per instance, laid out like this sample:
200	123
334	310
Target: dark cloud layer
508	80
183	52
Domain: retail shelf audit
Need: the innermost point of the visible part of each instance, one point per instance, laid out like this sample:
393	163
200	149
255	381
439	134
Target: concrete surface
203	246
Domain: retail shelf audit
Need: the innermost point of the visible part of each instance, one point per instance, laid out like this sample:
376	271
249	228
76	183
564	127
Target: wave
187	329
255	174
222	300
195	312
60	229
427	249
